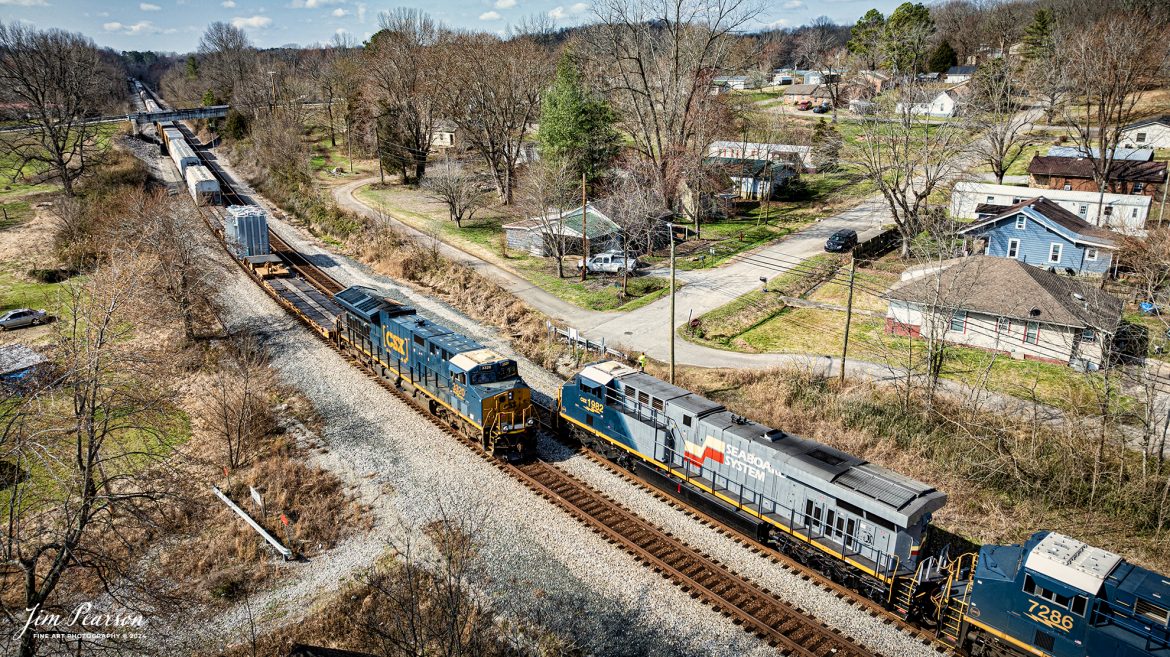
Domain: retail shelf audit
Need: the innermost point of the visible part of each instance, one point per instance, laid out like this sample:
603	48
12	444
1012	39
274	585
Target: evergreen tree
1038	39
826	146
905	37
943	57
574	127
865	38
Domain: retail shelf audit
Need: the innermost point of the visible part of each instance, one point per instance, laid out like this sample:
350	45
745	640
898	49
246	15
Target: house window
1016	199
1021	221
1067	187
1013	249
1054	252
991	199
1138	186
1091	254
1083	211
1032	333
1108	211
1133	213
1140	137
1003	325
1087	335
959	322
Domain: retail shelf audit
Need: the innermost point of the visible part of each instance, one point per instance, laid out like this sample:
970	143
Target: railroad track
755	609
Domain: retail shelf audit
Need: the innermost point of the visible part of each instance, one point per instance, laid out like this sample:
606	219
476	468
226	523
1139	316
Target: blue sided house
1041	233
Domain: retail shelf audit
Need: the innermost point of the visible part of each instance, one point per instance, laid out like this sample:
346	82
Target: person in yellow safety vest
642	362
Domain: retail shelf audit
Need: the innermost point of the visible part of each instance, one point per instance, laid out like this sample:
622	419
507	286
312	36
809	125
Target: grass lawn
19	290
14	213
482	237
324	157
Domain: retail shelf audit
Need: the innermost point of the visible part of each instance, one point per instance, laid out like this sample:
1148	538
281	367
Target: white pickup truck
610	262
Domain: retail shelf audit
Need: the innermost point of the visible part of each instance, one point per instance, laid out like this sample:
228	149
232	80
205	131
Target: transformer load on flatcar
202	185
857	521
246	230
476	388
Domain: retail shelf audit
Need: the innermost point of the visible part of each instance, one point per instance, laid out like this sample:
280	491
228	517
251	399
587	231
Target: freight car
1055	596
854	520
473	387
203	186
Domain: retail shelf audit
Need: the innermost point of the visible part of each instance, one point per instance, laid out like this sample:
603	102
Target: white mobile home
1124	213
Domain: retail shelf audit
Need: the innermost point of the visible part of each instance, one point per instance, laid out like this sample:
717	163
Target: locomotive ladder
953	607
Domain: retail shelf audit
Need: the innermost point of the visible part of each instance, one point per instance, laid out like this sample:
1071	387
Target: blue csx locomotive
867	526
475	388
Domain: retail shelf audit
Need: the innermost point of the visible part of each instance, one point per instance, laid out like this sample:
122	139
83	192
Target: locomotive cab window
507	370
1078	605
686	420
482	374
459	377
1032	588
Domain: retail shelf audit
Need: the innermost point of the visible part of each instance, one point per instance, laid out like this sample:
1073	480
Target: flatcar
858	522
1056	596
475	388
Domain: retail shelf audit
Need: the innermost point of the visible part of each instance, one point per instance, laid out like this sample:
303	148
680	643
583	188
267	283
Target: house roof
754	167
1080	167
818	90
1160	120
569	223
17	358
961	70
1134	154
1043	210
1006	287
754	150
959	91
1015	191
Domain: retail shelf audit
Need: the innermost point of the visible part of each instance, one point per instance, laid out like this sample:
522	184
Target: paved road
646	329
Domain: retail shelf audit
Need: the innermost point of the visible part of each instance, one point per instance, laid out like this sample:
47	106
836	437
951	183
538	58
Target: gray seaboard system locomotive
859	522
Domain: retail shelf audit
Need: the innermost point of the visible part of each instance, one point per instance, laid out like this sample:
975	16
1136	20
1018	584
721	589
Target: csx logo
712	448
458	390
395	343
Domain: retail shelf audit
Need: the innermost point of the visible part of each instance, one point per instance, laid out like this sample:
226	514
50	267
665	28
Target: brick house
1005	306
1076	174
813	93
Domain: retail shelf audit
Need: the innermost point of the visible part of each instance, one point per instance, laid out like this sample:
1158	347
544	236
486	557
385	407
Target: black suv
841	241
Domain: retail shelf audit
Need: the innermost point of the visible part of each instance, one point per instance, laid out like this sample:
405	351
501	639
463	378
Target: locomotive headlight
509	395
530	422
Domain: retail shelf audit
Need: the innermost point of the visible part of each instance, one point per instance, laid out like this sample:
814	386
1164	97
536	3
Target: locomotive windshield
493	372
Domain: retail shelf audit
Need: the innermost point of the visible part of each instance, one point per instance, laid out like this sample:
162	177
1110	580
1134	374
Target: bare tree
493	96
546	193
404	68
656	63
237	407
907	156
95	433
57	80
996	115
1111	66
820	48
457	187
638	212
227	58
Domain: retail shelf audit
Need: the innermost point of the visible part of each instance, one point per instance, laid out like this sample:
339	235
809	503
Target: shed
17	362
539	235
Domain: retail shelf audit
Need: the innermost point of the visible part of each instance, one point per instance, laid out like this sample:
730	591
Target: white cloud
228	3
505	4
251	21
339	12
490	16
141	27
560	13
24	3
793	4
340	30
146	6
361	12
777	24
313	4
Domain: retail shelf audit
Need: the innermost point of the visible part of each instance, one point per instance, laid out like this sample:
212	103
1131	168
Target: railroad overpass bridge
163	116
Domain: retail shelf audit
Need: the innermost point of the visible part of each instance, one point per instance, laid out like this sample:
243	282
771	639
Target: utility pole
584	232
848	315
272	79
1162	208
670	326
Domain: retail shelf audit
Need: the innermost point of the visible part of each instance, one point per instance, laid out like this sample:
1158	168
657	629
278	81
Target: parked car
21	317
823	108
804	105
841	241
610	262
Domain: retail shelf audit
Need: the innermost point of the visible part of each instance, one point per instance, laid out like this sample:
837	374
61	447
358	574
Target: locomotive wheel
432	407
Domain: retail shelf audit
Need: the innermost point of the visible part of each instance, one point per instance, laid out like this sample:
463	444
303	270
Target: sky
175	25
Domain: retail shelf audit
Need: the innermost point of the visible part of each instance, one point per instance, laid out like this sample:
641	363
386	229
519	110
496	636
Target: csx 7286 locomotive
473	387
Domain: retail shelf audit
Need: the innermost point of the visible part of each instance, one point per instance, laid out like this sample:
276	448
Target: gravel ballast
562	560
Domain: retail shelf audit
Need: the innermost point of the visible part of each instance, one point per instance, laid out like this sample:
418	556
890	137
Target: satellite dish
1035	312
